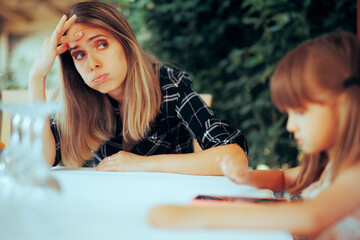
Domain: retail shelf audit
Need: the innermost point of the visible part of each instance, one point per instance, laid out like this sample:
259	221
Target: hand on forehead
74	30
87	31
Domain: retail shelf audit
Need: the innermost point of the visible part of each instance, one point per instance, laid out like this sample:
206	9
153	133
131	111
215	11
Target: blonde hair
316	72
87	119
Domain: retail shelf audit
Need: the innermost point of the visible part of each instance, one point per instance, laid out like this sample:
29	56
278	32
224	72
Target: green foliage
134	11
231	48
7	80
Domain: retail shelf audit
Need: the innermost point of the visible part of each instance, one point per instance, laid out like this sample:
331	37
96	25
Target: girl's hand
234	170
123	162
53	46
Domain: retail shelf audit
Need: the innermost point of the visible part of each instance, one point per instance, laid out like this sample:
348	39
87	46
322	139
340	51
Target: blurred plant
231	48
7	79
134	11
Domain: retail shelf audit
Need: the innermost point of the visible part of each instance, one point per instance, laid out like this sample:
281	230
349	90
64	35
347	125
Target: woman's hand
234	169
53	46
123	162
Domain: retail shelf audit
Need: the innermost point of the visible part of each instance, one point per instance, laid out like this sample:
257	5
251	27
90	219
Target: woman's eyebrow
96	36
73	48
89	40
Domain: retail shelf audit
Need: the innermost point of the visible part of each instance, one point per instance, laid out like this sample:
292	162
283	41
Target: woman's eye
79	56
102	45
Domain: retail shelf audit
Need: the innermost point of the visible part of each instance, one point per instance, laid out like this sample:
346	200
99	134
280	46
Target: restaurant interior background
229	47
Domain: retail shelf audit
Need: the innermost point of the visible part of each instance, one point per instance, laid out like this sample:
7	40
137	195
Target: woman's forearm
36	88
199	163
49	146
36	93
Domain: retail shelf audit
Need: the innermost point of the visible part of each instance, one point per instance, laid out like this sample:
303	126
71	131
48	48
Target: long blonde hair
316	72
87	118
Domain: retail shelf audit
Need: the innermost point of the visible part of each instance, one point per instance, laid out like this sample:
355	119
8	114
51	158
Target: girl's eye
296	112
299	112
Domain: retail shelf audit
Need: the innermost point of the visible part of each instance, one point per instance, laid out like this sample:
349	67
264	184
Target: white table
114	205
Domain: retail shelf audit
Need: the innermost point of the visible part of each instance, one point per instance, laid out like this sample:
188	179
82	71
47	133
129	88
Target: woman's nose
94	62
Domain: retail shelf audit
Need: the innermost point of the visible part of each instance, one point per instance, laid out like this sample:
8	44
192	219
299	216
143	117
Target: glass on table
22	163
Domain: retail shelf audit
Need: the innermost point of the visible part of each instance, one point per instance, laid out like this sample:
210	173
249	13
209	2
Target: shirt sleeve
201	121
55	132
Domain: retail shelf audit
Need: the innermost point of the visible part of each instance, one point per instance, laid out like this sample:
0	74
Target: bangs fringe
288	86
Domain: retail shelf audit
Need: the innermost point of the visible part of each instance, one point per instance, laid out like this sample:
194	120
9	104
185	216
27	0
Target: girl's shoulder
348	178
353	170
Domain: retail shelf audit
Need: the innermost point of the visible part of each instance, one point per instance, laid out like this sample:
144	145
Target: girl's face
314	127
100	59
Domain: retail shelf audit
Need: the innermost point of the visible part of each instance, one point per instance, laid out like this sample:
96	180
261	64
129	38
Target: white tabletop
114	205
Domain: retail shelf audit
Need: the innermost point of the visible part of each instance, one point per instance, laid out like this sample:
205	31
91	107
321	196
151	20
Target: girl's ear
340	103
341	99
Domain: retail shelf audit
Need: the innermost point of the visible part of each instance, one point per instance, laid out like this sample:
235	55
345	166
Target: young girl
122	110
318	85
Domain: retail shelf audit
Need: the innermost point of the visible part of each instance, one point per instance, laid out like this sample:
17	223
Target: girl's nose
290	124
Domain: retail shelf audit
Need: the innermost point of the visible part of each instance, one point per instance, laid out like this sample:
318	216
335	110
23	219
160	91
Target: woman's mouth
100	78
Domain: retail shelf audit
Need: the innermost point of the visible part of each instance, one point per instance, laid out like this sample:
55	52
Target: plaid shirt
183	116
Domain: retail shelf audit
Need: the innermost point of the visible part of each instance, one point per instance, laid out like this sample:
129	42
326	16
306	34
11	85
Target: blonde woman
121	109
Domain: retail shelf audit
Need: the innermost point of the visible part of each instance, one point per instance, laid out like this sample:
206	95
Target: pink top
344	229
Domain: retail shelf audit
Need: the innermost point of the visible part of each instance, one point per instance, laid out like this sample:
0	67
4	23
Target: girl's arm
276	180
302	218
199	163
52	47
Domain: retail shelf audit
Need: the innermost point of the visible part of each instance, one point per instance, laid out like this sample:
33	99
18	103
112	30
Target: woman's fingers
62	41
65	40
68	24
233	170
72	38
106	164
61	49
58	30
56	35
63	25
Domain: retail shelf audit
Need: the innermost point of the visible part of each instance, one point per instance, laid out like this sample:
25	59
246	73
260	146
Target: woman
122	110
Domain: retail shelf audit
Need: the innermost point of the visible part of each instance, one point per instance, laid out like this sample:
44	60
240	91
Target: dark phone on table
239	199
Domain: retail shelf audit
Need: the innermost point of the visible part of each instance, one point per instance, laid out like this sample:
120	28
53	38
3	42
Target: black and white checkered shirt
184	116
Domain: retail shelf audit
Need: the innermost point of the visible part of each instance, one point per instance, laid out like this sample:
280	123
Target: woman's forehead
79	27
89	32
